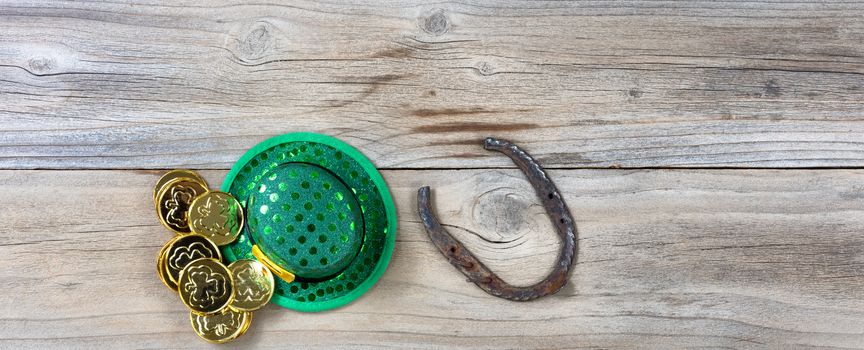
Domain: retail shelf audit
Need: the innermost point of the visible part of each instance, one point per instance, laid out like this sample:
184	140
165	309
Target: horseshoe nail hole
551	195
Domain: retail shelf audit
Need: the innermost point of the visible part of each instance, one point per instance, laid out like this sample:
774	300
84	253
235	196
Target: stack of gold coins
220	298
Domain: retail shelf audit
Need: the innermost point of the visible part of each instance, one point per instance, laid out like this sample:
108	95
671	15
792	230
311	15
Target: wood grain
756	259
149	84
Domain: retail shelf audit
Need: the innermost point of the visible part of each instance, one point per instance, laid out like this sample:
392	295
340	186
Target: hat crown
306	220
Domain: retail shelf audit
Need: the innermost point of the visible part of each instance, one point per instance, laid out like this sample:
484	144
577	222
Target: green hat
319	209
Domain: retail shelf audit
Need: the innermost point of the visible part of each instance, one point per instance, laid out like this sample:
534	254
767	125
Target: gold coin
245	325
253	284
206	286
162	266
173	202
217	216
175	174
221	327
185	249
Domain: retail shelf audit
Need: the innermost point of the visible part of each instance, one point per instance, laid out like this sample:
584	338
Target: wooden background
712	154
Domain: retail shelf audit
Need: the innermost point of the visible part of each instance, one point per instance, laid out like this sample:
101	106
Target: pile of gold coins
220	298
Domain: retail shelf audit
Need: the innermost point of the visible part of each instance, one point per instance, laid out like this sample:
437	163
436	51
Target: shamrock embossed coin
173	202
186	249
217	216
221	327
162	266
172	175
253	284
206	286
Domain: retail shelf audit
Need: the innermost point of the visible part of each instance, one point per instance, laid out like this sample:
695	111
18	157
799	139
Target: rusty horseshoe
478	273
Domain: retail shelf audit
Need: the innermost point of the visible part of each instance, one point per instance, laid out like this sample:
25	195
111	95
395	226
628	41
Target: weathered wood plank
668	259
416	85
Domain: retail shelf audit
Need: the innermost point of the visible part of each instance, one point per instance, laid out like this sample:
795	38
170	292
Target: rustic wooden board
668	259
154	84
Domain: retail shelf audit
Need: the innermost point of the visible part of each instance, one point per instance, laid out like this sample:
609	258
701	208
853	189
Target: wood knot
484	68
435	22
257	41
502	212
771	89
41	65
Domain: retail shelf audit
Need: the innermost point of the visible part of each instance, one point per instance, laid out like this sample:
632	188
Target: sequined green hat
319	209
